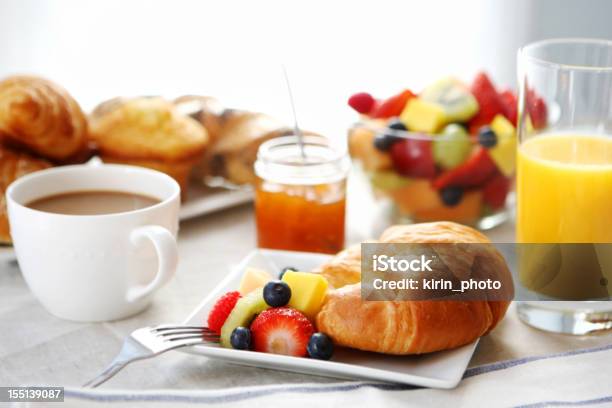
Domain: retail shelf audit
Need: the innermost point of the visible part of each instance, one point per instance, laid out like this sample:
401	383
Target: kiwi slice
457	101
243	314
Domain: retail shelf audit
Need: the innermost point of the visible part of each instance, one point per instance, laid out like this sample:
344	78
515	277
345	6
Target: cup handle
167	255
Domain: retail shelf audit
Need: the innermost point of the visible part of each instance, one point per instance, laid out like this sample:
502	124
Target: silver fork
151	341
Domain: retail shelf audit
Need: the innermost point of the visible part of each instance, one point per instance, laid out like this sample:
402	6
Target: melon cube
252	279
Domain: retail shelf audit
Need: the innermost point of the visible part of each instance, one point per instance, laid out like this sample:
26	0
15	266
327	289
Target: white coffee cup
95	267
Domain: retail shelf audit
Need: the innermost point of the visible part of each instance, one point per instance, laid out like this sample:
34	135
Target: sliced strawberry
510	103
489	102
392	106
477	169
413	158
362	102
537	110
495	191
222	309
281	330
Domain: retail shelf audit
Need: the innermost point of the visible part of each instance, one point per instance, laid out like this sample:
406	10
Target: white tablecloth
514	365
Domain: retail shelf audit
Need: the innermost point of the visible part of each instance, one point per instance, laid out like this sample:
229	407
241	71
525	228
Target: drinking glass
564	175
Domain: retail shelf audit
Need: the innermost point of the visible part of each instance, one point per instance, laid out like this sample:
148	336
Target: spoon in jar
296	127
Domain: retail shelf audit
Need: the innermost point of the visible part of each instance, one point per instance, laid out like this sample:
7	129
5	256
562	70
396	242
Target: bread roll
42	117
148	132
12	166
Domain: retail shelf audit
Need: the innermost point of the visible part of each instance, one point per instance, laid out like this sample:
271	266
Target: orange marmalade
300	199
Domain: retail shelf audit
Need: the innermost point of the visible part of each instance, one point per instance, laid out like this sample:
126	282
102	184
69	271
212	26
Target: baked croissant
413	327
12	166
42	117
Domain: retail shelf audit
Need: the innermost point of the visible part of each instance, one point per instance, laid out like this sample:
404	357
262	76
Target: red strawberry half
392	106
281	330
510	103
222	309
472	173
489	102
495	191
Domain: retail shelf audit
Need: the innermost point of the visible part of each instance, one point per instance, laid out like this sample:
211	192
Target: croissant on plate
411	327
13	164
42	117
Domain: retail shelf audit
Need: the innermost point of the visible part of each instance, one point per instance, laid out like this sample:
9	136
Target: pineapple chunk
308	292
252	279
423	116
504	152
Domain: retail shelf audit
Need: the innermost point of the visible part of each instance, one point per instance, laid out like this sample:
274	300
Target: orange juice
564	189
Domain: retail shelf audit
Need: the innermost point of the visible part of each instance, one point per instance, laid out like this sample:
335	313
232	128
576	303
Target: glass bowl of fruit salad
447	153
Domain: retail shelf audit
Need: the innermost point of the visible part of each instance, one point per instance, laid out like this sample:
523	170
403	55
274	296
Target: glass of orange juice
300	194
564	180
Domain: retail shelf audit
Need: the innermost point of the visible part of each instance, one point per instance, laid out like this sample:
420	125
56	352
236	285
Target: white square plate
442	369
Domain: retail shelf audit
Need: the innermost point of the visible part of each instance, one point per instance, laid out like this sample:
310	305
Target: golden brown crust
13	165
146	129
412	327
42	117
235	150
180	171
207	110
344	268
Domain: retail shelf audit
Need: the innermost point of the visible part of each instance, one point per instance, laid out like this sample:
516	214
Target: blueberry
383	142
285	269
451	196
277	293
320	346
241	338
487	137
396	124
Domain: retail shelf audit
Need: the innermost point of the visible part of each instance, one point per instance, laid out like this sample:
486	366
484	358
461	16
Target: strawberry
221	310
477	169
413	158
392	106
281	330
489	102
362	102
495	191
510	103
537	109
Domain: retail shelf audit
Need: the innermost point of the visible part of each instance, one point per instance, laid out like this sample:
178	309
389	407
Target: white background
234	49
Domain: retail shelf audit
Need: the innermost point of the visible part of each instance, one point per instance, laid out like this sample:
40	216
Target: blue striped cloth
580	377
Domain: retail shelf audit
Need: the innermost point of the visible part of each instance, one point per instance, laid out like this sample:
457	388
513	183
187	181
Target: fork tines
175	333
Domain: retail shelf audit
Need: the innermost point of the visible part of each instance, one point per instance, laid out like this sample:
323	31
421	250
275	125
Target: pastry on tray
414	327
14	164
235	138
148	132
40	116
304	314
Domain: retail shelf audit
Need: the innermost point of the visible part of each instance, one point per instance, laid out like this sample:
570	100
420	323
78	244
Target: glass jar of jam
300	194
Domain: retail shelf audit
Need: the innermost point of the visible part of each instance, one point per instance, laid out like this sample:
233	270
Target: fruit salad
273	315
447	153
